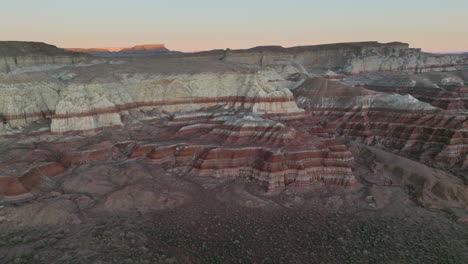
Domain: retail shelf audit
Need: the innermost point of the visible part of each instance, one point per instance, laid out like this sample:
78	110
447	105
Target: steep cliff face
339	60
15	55
94	105
25	99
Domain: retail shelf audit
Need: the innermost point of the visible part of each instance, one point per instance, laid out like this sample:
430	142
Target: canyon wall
261	114
91	106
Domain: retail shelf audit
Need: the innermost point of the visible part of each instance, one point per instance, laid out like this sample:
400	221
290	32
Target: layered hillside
88	106
220	144
342	59
446	90
396	122
259	115
16	55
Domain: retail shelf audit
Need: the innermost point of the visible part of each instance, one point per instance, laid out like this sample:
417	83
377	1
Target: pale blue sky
434	25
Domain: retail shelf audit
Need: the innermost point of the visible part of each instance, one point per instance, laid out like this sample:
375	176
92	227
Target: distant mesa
90	50
147	49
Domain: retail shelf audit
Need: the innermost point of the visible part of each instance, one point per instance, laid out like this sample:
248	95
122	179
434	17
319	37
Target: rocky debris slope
429	187
15	55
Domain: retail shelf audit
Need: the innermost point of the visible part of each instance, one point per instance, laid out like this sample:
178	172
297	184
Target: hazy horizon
206	25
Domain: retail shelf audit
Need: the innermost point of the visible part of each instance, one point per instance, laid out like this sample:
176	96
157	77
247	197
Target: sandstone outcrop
19	189
342	59
446	90
86	107
95	105
253	148
396	122
88	98
258	115
238	147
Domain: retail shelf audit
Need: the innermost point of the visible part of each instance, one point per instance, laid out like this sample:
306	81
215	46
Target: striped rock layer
91	106
339	60
445	90
396	122
449	97
255	114
254	148
238	147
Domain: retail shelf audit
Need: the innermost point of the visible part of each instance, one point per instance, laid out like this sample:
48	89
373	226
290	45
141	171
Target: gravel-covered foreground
210	231
207	220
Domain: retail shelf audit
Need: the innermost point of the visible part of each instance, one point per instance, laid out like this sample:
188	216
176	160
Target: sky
433	25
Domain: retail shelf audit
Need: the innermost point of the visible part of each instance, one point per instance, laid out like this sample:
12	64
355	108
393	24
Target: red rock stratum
268	115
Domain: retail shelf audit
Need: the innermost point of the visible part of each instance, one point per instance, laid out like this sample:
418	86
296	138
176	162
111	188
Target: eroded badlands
377	125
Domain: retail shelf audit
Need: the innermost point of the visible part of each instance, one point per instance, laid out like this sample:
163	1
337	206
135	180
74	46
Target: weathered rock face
253	148
16	55
397	122
91	106
25	99
339	60
100	105
238	146
257	115
446	90
95	96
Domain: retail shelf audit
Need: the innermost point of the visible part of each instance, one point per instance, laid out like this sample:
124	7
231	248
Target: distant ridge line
144	47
